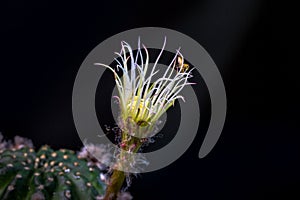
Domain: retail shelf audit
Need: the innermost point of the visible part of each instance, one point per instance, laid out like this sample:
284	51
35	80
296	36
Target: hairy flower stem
116	182
131	144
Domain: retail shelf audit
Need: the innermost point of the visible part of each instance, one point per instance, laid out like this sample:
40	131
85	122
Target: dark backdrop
43	44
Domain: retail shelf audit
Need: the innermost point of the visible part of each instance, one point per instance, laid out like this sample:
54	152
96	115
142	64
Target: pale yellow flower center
139	115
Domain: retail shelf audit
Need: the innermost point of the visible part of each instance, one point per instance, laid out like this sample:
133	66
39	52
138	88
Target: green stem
115	185
118	177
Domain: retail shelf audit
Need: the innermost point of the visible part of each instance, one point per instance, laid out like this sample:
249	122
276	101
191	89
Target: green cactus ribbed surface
47	174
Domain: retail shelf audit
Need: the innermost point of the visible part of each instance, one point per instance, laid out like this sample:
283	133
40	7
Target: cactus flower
144	100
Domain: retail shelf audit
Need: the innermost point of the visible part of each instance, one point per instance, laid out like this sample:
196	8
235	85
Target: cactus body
47	174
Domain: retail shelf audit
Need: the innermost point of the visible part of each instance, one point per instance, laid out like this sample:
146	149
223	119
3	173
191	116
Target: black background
43	44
